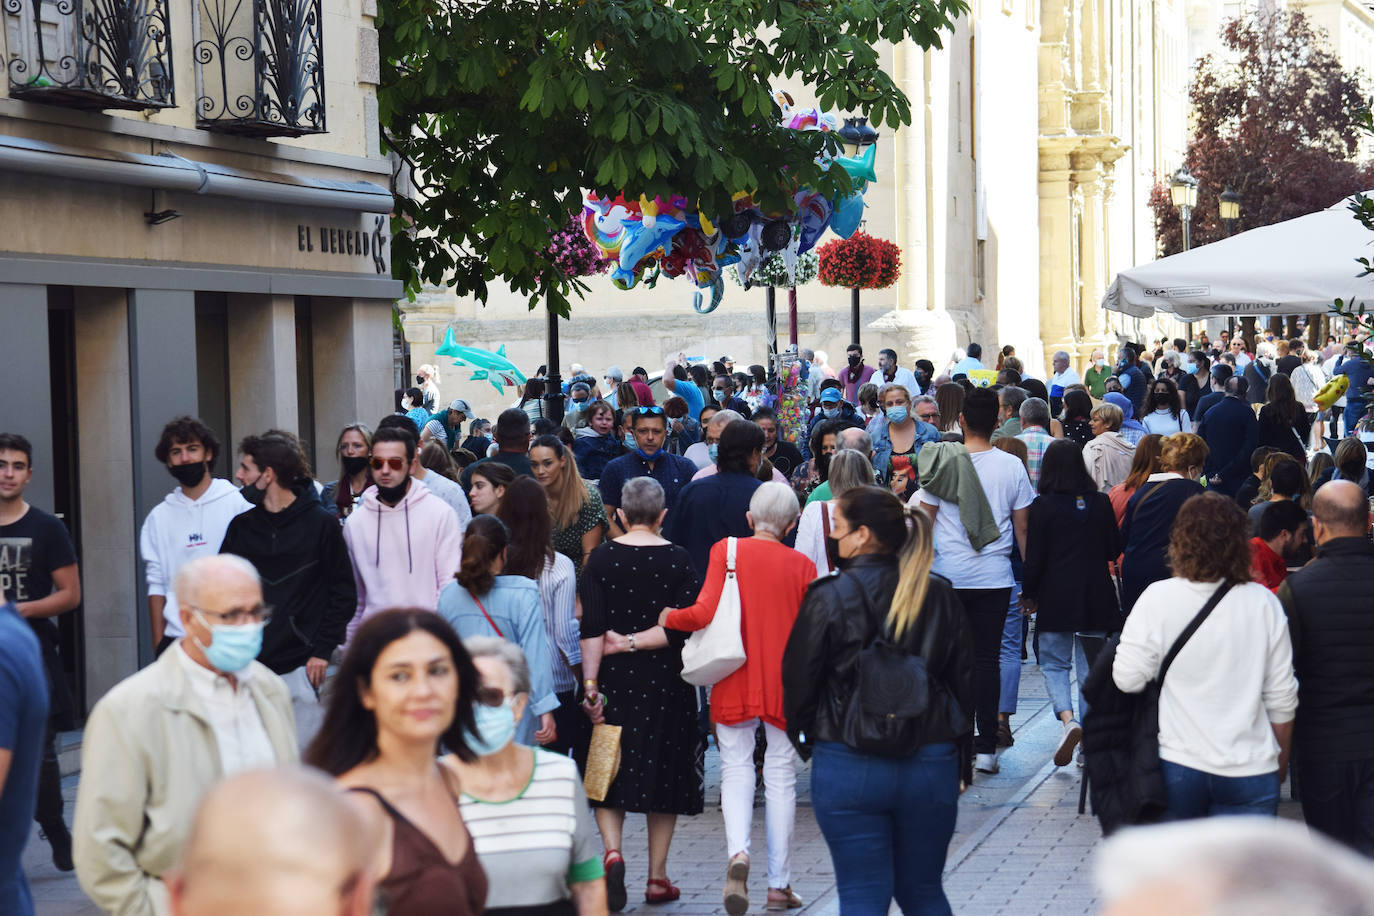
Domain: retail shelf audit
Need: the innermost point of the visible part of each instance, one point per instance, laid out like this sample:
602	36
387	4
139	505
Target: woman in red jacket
772	581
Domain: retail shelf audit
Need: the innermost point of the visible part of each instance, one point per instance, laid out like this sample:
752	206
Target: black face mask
354	464
189	475
823	466
419	379
855	360
1162	400
253	493
392	495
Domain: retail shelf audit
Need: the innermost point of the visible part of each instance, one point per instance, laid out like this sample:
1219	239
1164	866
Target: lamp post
1228	205
1183	194
857	133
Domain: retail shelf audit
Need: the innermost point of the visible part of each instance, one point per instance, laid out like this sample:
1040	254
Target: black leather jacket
819	667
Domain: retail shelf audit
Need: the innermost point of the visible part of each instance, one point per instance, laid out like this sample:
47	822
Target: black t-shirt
1288	363
31	549
787	458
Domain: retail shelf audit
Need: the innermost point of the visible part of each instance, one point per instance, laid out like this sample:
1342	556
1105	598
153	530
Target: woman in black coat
1283	424
1150	514
1072	531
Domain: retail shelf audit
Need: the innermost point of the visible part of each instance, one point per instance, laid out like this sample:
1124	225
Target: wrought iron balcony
90	53
261	67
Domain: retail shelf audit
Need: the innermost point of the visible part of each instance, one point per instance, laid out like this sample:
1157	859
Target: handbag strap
1148	493
1191	628
825	530
730	556
483	609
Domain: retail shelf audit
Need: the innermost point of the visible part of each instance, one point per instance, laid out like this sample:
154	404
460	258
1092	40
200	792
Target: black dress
662	756
1078	430
1145	532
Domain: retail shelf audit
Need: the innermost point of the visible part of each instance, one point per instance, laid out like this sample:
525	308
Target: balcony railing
90	53
260	67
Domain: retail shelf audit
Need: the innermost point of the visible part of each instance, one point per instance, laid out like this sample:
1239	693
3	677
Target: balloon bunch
646	239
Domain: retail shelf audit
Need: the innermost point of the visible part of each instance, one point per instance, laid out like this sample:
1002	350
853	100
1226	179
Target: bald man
158	740
275	843
1327	603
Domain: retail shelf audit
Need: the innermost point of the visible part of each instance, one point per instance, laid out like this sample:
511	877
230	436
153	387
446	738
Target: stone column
353	375
162	385
113	608
262	364
24	356
1058	287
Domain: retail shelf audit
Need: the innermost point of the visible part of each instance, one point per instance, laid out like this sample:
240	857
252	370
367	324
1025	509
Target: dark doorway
65	473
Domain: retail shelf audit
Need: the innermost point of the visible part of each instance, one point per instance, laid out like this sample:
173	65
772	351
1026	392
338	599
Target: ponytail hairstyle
901	530
485	540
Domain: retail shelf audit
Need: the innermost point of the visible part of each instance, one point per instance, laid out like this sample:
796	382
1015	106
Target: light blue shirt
517	612
965	366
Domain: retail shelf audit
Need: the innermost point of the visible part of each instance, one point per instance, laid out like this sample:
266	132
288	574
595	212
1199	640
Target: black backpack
1121	737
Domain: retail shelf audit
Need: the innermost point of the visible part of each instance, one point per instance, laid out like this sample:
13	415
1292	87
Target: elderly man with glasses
157	742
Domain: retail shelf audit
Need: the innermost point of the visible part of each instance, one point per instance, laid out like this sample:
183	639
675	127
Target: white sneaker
986	763
1073	733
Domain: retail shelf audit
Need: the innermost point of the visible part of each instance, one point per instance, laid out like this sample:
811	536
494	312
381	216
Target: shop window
259	67
89	53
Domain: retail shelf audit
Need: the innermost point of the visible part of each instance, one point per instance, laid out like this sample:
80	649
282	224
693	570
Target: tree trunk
1276	326
1247	332
1316	325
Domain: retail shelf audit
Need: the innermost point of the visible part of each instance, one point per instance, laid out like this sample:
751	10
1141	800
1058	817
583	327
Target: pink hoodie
402	555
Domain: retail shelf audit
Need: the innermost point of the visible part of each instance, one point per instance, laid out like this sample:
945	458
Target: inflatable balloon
848	213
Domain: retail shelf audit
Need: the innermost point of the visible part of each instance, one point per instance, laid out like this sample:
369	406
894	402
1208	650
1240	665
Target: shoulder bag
717	651
1121	736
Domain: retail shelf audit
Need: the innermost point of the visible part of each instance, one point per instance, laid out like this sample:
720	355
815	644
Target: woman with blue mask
484	602
516	800
896	432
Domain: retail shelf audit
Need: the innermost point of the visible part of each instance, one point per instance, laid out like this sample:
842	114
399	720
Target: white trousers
736	743
305	705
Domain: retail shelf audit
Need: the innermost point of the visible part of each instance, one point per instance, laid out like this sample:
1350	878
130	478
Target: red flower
860	262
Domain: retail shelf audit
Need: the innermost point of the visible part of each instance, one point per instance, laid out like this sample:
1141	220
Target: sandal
783	898
616	897
661	890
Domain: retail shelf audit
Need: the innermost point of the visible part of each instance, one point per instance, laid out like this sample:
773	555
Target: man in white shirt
1064	376
983	578
889	373
157	741
971	361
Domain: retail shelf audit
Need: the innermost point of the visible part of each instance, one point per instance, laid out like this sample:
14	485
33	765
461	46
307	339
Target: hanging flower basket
573	254
771	272
860	262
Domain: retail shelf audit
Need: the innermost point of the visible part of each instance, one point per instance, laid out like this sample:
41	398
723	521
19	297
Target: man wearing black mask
298	549
190	522
856	375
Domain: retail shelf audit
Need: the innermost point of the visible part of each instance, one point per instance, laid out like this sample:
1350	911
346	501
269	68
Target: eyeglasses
260	614
492	696
394	463
647	411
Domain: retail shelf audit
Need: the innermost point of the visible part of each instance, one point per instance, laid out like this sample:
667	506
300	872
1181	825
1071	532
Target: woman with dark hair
485	600
950	399
595	444
532	399
413	406
1167	416
885	780
1226	707
434	457
632	678
683	430
1078	408
341	495
756	393
1199	369
1071	538
406	686
579	515
489	482
1150	514
1283	424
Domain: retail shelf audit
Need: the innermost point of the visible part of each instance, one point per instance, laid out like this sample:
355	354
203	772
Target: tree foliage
506	111
1277	119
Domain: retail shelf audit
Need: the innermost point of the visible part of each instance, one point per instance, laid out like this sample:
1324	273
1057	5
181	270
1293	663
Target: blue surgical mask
579	405
713	450
630	442
232	648
896	414
720	394
830	413
1190	368
495	729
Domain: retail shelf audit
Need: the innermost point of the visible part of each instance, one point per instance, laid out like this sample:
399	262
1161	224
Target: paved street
1019	848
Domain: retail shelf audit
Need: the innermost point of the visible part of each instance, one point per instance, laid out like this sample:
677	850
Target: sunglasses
648	411
491	696
394	463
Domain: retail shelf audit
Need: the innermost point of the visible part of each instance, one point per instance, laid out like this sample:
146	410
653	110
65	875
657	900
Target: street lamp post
1183	194
857	133
1228	205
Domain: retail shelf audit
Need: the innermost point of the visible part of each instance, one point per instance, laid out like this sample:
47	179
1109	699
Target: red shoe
661	890
614	864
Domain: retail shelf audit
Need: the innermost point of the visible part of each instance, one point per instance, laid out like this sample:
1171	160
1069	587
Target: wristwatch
632	643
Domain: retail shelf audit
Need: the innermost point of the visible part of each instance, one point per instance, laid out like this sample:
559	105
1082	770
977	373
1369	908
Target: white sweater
1232	679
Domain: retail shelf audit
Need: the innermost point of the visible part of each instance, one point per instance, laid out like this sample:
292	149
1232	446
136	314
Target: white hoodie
180	529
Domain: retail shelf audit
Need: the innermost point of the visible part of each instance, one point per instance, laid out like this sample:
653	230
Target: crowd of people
454	627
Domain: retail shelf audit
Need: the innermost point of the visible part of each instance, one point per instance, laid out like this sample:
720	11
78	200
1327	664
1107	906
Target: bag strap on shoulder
1191	628
730	556
1148	493
481	607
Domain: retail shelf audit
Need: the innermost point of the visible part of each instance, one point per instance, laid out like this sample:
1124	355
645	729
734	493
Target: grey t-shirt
536	845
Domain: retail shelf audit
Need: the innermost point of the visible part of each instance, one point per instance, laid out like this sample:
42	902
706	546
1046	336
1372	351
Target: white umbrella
1297	267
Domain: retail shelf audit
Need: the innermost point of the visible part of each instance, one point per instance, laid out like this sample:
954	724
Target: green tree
506	111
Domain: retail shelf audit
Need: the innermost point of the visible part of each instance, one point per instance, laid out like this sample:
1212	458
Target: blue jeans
1010	659
1193	793
888	823
1058	653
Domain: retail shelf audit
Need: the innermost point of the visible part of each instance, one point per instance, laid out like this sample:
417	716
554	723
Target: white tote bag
717	651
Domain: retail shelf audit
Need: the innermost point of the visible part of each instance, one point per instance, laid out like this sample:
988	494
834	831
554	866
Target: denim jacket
882	442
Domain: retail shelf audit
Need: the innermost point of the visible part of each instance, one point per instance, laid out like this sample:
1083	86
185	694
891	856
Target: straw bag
717	651
603	761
